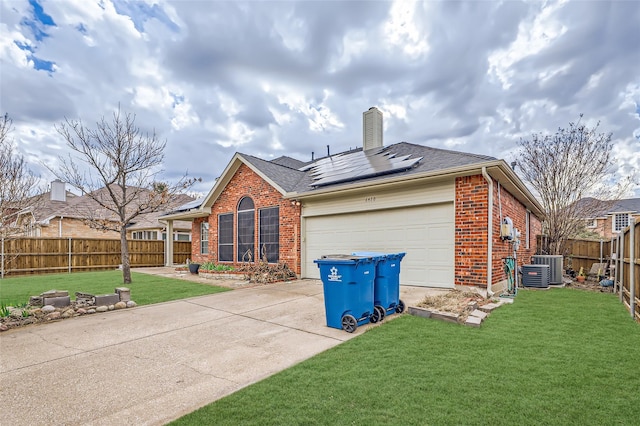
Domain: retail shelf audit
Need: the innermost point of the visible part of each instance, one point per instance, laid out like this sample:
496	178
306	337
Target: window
246	230
182	237
204	237
225	237
177	236
620	221
527	230
591	223
270	234
144	235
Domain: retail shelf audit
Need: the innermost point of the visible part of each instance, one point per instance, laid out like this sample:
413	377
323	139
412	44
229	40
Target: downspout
60	226
489	233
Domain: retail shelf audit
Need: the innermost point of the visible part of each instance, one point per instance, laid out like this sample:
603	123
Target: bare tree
18	185
119	174
571	173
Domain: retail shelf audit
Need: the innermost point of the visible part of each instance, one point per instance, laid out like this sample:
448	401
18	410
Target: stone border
475	318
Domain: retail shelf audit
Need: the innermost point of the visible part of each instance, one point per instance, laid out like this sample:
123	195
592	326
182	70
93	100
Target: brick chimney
372	129
58	191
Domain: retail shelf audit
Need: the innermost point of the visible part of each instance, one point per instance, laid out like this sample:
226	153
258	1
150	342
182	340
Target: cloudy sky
279	78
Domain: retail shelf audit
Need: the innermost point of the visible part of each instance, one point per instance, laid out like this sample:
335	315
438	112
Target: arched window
246	230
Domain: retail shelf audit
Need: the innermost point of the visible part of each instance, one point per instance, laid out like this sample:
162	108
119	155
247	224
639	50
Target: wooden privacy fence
625	252
584	253
47	255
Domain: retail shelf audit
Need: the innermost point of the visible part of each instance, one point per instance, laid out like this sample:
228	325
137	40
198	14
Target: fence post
632	270
621	256
69	254
613	262
2	260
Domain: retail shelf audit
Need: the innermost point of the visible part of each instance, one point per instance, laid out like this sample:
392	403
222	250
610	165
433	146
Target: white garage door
425	233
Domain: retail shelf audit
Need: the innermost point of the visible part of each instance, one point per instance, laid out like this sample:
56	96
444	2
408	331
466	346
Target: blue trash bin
386	293
348	290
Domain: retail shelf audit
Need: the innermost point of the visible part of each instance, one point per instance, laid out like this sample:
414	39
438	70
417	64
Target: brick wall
471	236
247	183
74	228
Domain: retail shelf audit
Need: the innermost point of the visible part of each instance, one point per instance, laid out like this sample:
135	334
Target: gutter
489	233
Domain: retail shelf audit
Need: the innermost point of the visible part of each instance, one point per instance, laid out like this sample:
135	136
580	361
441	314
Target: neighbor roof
601	208
628	205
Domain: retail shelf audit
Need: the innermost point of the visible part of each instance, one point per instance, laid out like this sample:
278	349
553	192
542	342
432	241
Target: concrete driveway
152	364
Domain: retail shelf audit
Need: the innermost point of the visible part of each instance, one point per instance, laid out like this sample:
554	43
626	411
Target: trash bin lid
342	258
374	254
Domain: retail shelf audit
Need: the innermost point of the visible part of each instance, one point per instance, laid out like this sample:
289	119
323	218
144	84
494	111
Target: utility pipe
632	268
490	234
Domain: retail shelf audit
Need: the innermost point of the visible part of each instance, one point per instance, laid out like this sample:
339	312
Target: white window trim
204	231
527	230
592	223
613	221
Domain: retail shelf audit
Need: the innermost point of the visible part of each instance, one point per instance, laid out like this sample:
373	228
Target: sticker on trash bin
333	276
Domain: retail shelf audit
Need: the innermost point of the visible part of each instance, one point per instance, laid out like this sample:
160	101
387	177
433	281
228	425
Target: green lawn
145	288
562	357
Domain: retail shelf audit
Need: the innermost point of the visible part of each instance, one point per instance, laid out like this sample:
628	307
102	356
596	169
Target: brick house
443	208
61	213
607	219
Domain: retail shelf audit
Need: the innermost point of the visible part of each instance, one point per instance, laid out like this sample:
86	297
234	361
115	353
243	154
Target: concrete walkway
155	363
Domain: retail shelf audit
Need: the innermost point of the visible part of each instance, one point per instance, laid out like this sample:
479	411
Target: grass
145	289
562	357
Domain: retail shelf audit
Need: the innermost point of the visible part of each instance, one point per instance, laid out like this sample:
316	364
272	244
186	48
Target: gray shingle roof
285	161
627	205
283	176
282	172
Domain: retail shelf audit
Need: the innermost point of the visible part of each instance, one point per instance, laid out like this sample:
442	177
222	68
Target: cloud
290	78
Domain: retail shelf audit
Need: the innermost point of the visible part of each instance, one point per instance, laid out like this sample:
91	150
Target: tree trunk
126	262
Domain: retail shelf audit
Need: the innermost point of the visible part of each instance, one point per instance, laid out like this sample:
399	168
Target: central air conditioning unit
555	265
535	276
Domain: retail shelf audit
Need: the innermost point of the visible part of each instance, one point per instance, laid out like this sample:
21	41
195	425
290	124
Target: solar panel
357	165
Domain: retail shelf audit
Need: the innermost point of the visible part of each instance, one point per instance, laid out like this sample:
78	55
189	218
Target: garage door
425	233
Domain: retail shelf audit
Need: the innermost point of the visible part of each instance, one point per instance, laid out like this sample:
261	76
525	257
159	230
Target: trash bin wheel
381	311
375	316
349	323
400	307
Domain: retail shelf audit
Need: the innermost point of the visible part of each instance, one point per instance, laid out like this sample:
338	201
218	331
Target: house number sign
370	199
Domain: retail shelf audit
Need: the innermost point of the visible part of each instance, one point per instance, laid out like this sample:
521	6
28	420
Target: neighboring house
60	213
443	208
612	217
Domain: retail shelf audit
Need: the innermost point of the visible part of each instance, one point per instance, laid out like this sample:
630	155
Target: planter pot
193	268
580	278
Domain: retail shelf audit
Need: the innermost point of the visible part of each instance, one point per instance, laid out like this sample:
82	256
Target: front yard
145	289
560	356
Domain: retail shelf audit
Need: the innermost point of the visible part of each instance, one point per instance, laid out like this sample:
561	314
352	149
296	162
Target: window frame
527	236
204	237
261	236
245	229
614	221
225	244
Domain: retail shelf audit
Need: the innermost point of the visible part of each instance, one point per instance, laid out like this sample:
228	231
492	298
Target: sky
272	78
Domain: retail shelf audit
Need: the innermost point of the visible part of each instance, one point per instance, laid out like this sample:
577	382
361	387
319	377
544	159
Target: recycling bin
386	293
347	281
